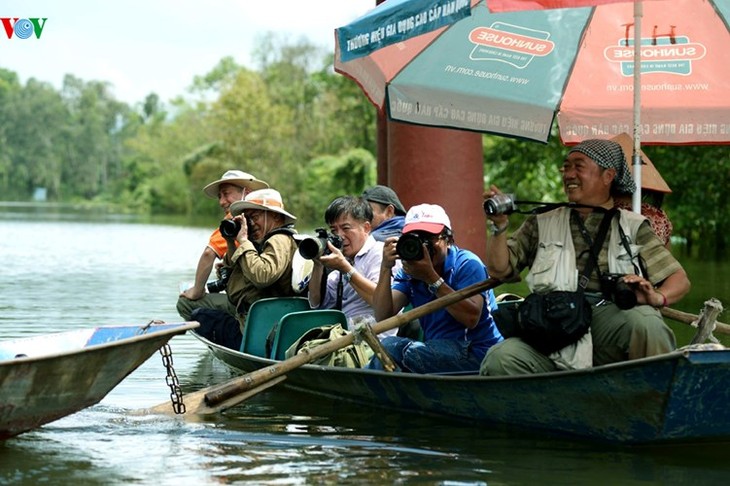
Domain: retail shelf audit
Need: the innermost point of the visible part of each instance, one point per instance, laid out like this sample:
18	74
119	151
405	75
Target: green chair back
293	325
262	317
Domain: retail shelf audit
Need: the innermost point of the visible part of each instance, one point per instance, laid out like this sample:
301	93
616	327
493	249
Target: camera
316	246
410	246
500	204
229	228
217	286
617	291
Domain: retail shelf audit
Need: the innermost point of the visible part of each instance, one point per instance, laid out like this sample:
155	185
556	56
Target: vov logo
23	28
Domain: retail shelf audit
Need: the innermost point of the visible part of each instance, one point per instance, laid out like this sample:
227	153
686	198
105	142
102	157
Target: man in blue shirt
388	212
455	339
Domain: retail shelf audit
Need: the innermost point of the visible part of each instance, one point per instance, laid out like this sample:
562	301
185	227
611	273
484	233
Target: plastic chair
262	317
292	326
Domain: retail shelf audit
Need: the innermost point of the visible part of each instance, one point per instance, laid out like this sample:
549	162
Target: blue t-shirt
462	268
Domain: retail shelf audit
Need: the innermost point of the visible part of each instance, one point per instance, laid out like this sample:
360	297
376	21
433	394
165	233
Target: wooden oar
687	318
223	396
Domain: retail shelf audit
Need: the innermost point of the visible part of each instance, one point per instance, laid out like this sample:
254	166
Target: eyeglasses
254	216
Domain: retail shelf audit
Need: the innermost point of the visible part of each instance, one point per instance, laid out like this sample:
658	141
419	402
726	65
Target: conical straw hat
651	179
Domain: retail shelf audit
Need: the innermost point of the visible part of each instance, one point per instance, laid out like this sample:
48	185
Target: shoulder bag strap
595	246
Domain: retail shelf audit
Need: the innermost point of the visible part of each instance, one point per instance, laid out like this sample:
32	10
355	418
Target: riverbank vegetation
291	121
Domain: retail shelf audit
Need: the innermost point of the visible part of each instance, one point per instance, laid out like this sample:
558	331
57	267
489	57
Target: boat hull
678	397
63	373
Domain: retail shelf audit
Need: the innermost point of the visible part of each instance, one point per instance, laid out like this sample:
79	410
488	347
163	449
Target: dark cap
609	155
384	195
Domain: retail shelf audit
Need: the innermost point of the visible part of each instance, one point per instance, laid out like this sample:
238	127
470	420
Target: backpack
352	356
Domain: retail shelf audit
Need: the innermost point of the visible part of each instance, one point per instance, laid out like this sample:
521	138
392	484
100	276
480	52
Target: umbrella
456	64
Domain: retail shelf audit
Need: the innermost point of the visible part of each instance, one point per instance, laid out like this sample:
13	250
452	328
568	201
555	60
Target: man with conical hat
653	189
261	266
231	187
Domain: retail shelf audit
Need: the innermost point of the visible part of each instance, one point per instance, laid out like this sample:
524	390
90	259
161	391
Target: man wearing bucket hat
455	338
231	187
261	266
388	212
556	246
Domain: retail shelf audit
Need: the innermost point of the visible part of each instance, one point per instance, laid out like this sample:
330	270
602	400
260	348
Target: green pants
618	335
185	306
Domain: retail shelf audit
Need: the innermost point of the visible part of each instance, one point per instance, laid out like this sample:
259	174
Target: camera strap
544	207
594	246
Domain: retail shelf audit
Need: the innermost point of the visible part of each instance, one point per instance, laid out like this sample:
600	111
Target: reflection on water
64	274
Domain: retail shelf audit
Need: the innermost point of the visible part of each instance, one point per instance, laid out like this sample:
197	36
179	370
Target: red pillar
381	127
444	167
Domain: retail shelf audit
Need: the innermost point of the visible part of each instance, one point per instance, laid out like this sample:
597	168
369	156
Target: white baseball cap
426	217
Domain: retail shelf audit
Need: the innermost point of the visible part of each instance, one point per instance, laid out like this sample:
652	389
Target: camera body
617	291
316	246
229	228
500	204
217	286
410	247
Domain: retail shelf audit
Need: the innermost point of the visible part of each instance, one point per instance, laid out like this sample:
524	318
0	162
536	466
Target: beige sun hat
264	200
651	179
237	178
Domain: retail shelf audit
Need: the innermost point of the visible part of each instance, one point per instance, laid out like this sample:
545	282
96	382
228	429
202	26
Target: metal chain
176	396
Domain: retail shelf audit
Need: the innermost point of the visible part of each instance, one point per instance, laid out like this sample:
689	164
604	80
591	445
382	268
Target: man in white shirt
355	267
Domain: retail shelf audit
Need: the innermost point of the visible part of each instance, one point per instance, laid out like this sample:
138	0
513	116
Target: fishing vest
554	265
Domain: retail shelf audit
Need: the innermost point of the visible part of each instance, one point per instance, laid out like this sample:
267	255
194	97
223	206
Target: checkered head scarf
609	155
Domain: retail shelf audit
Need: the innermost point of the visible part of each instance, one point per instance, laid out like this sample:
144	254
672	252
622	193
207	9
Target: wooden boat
677	397
47	377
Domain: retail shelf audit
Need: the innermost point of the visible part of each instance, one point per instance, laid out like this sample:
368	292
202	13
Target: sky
144	46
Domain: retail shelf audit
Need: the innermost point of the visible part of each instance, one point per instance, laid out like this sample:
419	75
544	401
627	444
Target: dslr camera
617	291
500	204
316	246
410	246
218	286
229	228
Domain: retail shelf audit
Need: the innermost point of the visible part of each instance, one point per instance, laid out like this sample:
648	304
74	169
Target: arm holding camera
671	290
466	311
498	261
387	302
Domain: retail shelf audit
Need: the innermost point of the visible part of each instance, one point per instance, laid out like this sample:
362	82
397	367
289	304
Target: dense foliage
293	122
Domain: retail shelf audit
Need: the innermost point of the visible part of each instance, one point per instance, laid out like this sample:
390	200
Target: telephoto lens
316	246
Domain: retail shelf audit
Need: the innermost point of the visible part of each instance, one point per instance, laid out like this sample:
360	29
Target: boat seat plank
292	326
263	315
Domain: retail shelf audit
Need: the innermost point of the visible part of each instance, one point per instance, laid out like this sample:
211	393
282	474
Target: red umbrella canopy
458	64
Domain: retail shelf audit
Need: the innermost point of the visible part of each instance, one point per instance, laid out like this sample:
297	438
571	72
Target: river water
59	273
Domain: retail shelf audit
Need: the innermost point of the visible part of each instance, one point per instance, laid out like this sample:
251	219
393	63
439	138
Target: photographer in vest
556	246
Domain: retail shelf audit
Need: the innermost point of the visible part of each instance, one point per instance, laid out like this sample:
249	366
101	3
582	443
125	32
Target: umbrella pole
636	156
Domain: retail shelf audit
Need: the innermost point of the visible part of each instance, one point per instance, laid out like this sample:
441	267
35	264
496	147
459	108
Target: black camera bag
549	322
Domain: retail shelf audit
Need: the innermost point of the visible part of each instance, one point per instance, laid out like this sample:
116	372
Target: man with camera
231	187
557	245
260	267
353	257
455	339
